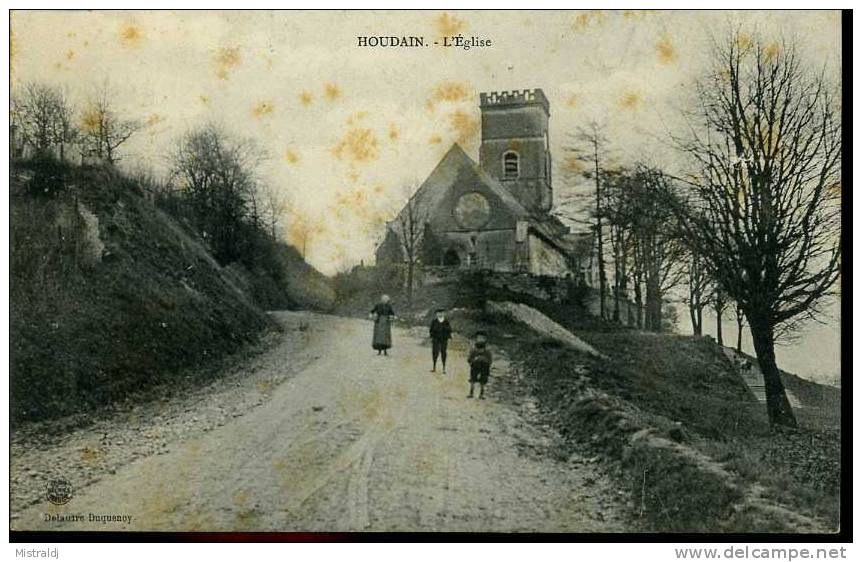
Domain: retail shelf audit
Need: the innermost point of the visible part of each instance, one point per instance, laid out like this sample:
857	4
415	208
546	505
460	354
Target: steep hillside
110	295
279	279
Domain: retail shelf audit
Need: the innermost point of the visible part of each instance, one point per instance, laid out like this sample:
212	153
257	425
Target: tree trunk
696	310
653	302
624	291
637	279
615	244
718	335
777	406
739	320
603	287
410	266
599	241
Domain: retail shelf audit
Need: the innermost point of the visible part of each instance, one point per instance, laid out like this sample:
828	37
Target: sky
349	131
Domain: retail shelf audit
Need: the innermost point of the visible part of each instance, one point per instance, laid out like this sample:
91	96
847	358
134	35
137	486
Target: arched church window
511	165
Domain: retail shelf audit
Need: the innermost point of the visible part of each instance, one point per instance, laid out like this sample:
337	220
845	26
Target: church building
495	214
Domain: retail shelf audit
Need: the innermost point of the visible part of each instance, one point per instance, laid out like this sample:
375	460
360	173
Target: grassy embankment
111	296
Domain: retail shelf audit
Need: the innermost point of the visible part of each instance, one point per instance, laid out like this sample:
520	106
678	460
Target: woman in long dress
382	314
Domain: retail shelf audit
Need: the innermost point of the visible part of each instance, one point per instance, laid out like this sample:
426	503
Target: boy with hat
480	359
440	332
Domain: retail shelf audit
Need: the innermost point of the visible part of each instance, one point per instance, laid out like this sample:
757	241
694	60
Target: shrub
50	175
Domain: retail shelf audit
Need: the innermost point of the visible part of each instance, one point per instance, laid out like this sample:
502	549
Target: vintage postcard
556	272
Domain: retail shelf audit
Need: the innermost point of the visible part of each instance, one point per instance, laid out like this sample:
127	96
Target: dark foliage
108	295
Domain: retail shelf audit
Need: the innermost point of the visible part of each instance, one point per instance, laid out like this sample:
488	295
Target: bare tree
659	250
617	209
275	206
44	117
764	209
590	147
102	129
217	171
302	231
410	225
698	280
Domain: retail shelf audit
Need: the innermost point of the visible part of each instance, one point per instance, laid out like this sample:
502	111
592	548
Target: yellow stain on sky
587	19
630	100
447	24
636	14
465	126
356	117
771	51
131	35
153	120
90	120
13	45
227	59
303	230
263	109
449	91
665	50
357	145
744	41
331	91
572	163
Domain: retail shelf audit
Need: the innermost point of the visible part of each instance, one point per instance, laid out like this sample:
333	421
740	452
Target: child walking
480	359
440	332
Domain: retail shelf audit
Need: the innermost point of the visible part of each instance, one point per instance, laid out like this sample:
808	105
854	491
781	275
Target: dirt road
354	442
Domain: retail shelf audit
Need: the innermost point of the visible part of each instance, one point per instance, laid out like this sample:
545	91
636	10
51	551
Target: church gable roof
453	166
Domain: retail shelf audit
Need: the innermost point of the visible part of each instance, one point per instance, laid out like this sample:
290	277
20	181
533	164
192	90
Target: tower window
511	165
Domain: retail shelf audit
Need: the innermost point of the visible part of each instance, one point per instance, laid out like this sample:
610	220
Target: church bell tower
515	149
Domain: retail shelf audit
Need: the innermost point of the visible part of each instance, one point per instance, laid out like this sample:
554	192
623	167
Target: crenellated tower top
533	96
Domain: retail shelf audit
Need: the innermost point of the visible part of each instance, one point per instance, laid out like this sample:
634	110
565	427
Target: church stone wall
513	122
545	259
487	249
